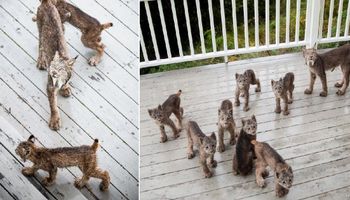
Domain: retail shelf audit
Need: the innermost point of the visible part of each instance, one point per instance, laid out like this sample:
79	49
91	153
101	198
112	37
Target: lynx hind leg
235	164
290	94
345	85
260	173
178	115
104	176
246	103
258	87
232	134
171	124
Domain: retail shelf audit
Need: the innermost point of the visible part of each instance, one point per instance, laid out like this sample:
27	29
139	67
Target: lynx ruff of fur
206	146
225	123
50	160
243	82
59	74
51	37
267	156
162	113
90	27
319	63
243	155
283	89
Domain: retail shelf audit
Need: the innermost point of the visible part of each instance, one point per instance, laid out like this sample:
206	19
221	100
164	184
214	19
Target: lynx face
310	56
157	114
242	80
60	70
277	87
225	118
24	149
209	144
285	177
250	126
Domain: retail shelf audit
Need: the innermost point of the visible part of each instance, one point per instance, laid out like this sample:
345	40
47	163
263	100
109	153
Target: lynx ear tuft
253	118
272	82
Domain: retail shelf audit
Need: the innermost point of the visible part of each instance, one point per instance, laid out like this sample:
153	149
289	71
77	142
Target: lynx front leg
278	105
221	146
312	82
51	178
163	136
211	162
190	153
29	171
285	101
206	170
342	90
55	120
232	132
246	103
324	85
79	183
237	92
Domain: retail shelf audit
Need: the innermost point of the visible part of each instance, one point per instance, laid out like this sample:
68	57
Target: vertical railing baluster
256	17
346	32
297	22
321	19
340	12
212	27
267	22
287	20
246	31
143	47
200	25
313	19
330	19
189	30
165	33
277	36
223	23
176	24
234	21
150	23
307	19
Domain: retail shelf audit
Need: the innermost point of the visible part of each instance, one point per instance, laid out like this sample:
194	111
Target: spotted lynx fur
162	113
50	160
267	156
283	89
243	82
319	63
206	146
226	123
244	153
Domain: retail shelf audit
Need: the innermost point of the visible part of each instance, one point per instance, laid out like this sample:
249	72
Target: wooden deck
104	103
314	139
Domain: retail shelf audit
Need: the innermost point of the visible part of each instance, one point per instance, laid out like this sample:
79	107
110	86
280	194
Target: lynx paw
290	101
237	103
232	141
338	85
265	174
281	192
55	123
234	172
246	108
261	183
213	164
47	181
208	174
286	112
278	110
242	95
66	92
221	148
94	60
323	94
307	91
42	63
163	139
27	171
340	92
257	90
176	135
190	155
78	183
104	186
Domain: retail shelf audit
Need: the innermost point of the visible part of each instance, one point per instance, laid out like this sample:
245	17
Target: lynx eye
206	147
213	146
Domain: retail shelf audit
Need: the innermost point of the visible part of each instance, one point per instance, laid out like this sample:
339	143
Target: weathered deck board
104	103
313	138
